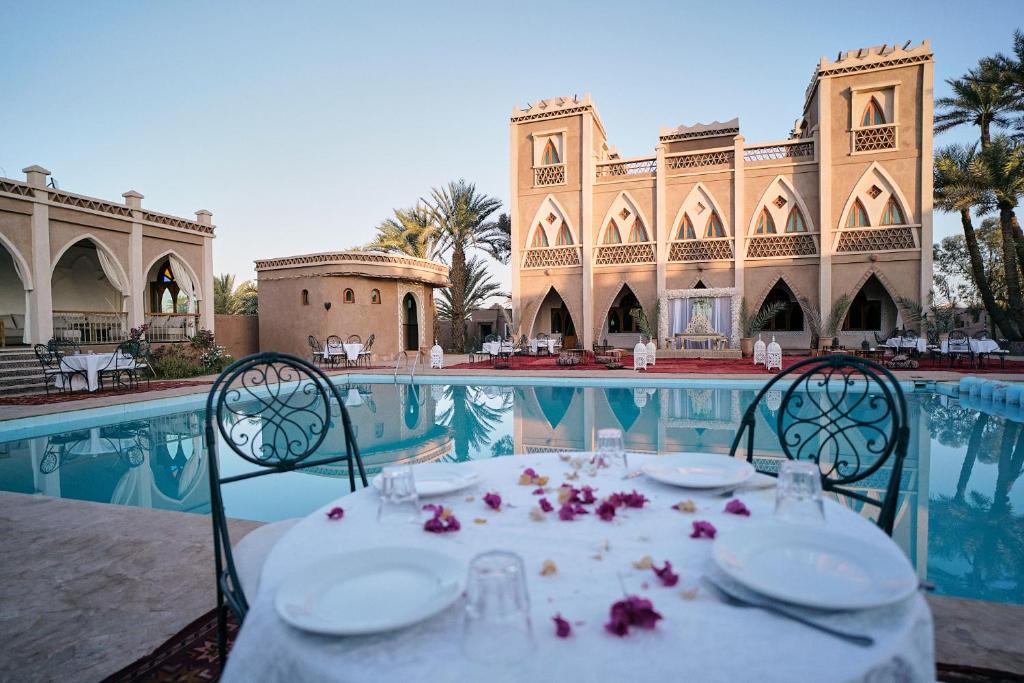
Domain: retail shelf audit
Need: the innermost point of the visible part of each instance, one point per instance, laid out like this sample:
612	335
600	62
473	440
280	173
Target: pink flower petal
562	627
530	472
633	611
667	576
493	501
588	495
566	512
335	513
606	510
545	505
736	507
702	529
539	491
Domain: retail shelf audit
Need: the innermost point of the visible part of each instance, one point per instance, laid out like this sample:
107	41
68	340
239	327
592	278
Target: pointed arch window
305	297
795	222
686	231
892	214
550	155
714	227
765	225
638	233
873	115
858	217
564	237
611	234
540	238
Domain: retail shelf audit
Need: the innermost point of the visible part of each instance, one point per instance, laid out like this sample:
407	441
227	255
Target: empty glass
610	449
497	629
399	502
798	493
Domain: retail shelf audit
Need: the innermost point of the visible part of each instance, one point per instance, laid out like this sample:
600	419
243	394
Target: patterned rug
190	655
44	399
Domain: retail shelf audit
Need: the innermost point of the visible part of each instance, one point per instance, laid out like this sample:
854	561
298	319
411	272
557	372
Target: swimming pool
959	517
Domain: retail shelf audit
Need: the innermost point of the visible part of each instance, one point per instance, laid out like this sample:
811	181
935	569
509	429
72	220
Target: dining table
91	364
577	569
976	345
548	344
918	344
350	351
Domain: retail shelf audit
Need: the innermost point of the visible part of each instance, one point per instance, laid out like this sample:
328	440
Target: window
349	297
561	321
765	225
686	229
165	295
790	319
611	234
564	237
638	233
714	227
305	297
795	222
378	430
891	214
550	155
865	315
873	115
374	296
620	318
858	217
540	238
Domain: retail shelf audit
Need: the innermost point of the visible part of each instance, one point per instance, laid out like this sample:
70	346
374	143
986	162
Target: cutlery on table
733	599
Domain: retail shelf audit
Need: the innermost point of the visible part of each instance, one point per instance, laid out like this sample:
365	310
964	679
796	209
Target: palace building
843	205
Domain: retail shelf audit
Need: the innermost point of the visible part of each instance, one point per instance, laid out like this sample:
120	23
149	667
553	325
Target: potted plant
825	330
752	324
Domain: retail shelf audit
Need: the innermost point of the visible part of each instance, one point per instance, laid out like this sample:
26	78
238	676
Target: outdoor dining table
535	344
350	351
700	637
976	345
91	364
900	343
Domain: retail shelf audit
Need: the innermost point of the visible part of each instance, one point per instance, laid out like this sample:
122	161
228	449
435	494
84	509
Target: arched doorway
553	318
171	301
410	323
13	300
88	294
872	310
790	318
620	327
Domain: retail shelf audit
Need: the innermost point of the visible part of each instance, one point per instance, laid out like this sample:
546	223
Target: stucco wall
239	334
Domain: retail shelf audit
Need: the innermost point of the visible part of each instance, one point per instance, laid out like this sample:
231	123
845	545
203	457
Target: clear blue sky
300	125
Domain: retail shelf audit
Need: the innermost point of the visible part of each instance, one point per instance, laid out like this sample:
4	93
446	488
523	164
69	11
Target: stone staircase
20	372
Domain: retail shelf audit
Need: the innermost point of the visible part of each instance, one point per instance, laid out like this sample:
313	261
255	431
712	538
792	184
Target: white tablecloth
493	348
977	346
350	351
701	639
541	343
907	343
91	363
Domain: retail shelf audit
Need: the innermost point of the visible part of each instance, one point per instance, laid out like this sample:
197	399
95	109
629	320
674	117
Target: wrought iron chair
54	368
542	346
334	351
1001	353
275	411
354	339
958	346
120	366
316	351
845	413
367	352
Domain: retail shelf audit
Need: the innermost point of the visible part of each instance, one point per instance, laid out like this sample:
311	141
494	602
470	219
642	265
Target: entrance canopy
716	309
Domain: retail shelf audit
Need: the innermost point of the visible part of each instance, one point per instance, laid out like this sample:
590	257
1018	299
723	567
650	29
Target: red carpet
711	366
53	397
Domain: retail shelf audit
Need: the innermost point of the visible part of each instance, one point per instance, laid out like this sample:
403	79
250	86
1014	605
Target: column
661	230
586	227
39	325
206	315
136	275
739	222
823	155
513	215
927	144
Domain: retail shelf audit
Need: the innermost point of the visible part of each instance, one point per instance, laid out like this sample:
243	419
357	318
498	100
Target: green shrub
199	356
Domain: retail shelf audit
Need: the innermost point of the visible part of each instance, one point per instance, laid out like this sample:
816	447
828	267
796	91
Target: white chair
652	352
639	356
436	357
773	356
759	351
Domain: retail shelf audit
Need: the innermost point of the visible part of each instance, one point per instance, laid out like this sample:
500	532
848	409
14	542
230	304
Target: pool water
959	517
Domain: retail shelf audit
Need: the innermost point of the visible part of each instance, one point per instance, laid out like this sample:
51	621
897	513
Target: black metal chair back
369	343
334	340
354	339
848	415
957	338
314	344
273	410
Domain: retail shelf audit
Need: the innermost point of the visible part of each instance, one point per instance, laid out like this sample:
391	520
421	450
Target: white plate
814	566
698	470
438	479
370	591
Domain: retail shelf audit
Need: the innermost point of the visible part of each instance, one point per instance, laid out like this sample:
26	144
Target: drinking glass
610	449
798	493
496	628
399	502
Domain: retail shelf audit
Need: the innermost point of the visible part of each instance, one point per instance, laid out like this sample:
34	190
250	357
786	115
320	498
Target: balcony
171	327
90	327
552	257
790	150
875	138
625	254
553	174
709	249
702	159
782	246
888	238
620	169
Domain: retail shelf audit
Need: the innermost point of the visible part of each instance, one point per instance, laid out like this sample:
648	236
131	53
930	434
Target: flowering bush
200	356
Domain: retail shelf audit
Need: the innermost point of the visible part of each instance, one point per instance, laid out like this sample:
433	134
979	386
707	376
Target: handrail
415	362
398	362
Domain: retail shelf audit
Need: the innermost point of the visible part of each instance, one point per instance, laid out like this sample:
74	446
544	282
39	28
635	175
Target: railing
708	249
620	254
553	174
552	257
82	202
171	327
774	246
14	187
887	238
701	159
412	368
874	138
627	167
776	151
90	327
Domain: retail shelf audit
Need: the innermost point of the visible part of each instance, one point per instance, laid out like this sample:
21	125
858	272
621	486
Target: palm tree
1010	69
229	300
479	288
410	232
462	218
955	192
979	99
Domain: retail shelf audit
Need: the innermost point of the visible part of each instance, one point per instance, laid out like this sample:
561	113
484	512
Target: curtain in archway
184	282
110	272
719	313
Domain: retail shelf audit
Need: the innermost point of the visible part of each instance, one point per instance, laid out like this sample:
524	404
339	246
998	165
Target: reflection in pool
959	518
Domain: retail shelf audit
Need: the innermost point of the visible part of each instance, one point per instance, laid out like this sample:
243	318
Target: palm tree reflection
471	417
